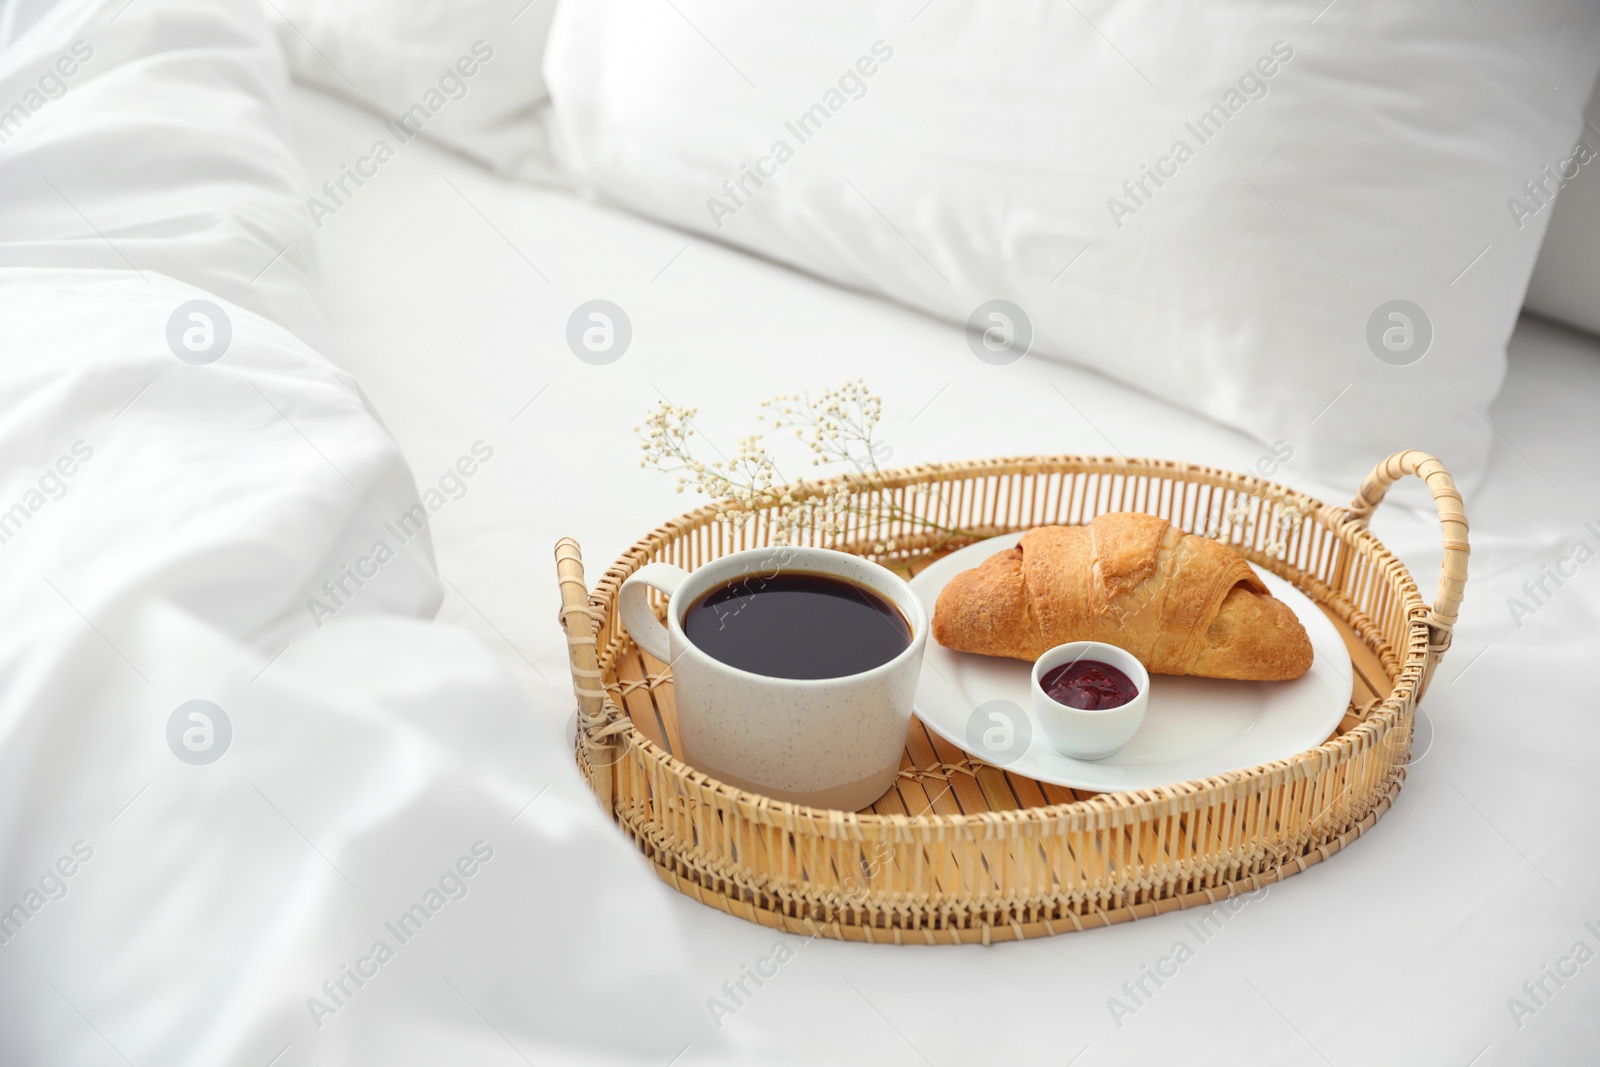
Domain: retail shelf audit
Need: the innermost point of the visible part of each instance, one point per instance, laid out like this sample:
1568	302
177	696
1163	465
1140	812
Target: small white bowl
1089	735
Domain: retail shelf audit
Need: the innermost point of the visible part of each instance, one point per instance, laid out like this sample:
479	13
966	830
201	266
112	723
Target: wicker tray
960	851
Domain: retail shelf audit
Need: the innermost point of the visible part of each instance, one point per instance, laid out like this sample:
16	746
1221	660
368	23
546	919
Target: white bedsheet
450	292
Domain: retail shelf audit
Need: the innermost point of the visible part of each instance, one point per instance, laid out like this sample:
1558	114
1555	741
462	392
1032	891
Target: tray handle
1453	520
597	716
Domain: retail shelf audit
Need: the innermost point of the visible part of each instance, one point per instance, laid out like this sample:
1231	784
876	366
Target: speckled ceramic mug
826	742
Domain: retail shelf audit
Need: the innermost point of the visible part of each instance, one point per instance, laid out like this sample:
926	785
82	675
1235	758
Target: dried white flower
836	427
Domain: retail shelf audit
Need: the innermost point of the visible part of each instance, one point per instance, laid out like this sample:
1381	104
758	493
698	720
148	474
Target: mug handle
633	603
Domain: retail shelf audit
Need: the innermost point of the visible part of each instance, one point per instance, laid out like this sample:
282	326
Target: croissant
1182	604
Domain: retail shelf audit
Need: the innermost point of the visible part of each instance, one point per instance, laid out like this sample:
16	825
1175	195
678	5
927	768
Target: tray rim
990	933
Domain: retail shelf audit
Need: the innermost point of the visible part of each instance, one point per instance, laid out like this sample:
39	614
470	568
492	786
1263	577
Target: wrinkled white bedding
195	884
382	761
206	507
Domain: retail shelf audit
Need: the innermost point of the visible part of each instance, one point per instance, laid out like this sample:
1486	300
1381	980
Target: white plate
1194	727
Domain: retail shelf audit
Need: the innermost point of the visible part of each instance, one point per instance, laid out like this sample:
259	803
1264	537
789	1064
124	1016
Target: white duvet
254	806
198	890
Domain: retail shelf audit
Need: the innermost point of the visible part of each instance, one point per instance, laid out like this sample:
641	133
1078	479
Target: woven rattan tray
960	851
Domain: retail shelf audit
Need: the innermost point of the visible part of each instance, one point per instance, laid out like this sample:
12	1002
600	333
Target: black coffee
793	625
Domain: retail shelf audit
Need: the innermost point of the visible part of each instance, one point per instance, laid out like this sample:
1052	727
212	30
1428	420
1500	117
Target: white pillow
1566	280
953	154
464	74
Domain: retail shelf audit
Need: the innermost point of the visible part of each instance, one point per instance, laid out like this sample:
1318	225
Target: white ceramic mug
826	742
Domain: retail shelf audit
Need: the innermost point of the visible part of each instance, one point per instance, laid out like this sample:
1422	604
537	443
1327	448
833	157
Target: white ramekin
1089	735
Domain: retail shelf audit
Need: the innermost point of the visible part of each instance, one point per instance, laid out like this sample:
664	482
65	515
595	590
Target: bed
260	812
448	290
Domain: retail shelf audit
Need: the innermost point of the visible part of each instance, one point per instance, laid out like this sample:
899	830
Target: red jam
1088	685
